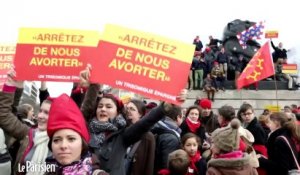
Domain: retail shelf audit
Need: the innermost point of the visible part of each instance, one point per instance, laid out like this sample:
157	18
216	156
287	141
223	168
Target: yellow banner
273	108
290	71
7	49
149	42
271	34
58	37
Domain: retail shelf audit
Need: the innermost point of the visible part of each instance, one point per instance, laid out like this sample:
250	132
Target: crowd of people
212	66
91	132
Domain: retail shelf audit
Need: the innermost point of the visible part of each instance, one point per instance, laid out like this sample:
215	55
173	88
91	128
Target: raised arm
44	94
273	46
134	133
8	121
89	103
17	98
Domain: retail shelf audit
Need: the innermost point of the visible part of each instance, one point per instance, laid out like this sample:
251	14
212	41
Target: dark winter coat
167	141
113	151
210	122
257	131
278	53
280	158
8	121
143	161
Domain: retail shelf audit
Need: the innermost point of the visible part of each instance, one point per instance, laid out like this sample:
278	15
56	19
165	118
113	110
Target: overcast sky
176	19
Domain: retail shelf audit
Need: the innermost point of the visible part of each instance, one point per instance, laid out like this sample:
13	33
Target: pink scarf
81	167
231	155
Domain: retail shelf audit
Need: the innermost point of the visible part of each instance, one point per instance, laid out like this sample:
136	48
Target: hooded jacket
237	166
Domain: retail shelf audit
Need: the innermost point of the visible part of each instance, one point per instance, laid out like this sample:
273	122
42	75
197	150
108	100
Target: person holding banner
33	149
111	147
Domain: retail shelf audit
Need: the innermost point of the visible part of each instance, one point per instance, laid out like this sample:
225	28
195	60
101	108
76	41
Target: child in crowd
250	122
226	158
209	87
178	163
191	144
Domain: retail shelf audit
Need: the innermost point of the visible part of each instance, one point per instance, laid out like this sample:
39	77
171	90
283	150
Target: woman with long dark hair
282	143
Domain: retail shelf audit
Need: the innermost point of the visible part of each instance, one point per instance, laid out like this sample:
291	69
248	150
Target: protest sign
143	63
53	54
271	34
7	53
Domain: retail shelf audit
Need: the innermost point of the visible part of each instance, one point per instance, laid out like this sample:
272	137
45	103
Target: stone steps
258	99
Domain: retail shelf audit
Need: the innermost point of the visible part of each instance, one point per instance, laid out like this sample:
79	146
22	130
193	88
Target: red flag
260	67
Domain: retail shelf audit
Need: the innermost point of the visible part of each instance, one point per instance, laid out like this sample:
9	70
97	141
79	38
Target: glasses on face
131	109
248	113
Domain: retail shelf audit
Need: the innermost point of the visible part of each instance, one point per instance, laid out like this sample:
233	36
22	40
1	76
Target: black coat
210	122
167	141
201	166
112	152
280	158
257	131
278	53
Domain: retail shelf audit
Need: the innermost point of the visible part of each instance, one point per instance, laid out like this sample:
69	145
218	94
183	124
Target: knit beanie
64	114
227	138
205	103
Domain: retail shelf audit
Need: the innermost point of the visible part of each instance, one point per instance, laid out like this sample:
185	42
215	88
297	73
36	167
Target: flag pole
241	95
276	90
275	81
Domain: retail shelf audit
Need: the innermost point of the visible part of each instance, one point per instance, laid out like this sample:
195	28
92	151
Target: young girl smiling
191	144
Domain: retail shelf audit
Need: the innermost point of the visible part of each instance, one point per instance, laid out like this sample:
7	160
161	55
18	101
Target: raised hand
182	95
85	76
11	74
43	85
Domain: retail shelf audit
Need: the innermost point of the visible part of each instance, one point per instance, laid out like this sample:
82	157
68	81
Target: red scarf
242	146
192	126
224	124
192	168
262	149
164	172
